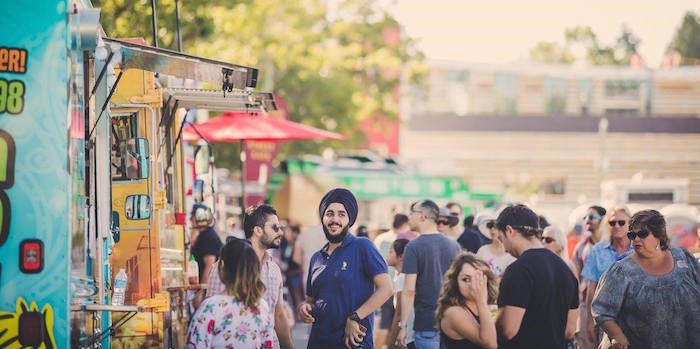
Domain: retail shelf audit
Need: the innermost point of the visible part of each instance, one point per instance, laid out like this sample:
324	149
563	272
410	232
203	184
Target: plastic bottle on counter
119	288
193	271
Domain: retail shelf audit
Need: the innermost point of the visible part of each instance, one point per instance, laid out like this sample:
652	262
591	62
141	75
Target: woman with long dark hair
239	317
463	314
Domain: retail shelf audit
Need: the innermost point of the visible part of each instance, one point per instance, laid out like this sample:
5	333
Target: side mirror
137	207
136	158
198	190
202	159
203	217
115	227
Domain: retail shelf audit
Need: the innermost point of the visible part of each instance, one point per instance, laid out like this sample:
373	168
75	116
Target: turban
343	197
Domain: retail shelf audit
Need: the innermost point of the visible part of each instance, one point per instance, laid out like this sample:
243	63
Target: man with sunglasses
263	230
593	222
602	256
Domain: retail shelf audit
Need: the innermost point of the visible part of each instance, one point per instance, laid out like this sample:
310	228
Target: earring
657	245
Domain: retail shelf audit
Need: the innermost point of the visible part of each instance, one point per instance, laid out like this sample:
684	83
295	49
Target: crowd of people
509	281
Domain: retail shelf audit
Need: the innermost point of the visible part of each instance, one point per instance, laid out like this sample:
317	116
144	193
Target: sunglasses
276	228
633	234
592	217
547	240
443	222
620	223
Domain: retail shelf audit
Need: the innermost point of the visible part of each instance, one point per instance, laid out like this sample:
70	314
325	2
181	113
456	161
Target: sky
501	32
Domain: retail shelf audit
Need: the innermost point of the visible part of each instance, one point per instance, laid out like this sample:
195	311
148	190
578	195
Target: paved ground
300	335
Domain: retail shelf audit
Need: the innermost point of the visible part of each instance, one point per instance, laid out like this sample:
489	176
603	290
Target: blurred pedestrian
263	231
347	280
448	223
426	260
537	300
402	228
463	314
470	239
395	260
383	242
602	256
291	267
493	253
650	299
593	221
239	317
554	240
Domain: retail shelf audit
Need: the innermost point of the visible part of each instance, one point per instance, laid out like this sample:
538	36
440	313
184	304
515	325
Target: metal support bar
102	73
106	103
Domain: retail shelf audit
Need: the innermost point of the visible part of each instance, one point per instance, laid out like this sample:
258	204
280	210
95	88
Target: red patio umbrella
233	127
237	126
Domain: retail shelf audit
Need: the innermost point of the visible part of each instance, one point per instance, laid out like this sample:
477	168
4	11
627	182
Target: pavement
300	335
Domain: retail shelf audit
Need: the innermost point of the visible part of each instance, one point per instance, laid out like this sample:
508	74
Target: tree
619	53
686	40
333	71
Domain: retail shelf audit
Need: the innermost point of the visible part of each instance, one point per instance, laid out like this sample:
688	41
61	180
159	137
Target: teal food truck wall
34	177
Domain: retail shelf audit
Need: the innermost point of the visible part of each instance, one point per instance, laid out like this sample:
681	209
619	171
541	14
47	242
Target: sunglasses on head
621	223
592	217
547	240
633	234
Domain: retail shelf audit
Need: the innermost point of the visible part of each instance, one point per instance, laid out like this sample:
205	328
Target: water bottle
193	271
119	288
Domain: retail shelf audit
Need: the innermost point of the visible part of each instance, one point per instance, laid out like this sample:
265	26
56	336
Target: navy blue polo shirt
340	283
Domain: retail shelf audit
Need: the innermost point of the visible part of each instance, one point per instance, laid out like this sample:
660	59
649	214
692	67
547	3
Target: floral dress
221	321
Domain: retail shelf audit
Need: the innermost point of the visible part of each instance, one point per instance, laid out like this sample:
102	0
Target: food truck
94	177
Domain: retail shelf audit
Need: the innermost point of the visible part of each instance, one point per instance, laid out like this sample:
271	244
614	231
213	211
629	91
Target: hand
478	288
591	330
620	342
305	312
354	333
401	338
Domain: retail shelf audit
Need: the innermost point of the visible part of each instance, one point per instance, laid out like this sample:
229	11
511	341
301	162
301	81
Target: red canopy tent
238	126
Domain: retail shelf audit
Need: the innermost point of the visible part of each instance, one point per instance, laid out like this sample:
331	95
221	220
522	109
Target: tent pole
243	179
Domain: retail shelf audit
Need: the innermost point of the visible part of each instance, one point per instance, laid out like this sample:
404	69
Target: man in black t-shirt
207	243
538	297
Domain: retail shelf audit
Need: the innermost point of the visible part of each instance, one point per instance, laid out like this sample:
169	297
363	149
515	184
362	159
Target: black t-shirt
470	240
542	284
207	243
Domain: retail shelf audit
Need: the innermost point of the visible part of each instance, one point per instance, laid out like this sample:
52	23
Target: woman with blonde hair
463	314
239	317
613	247
554	240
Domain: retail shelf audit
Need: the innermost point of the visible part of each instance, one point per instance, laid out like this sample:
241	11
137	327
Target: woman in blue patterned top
650	299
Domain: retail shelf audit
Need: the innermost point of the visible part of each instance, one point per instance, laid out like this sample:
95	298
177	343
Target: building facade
551	135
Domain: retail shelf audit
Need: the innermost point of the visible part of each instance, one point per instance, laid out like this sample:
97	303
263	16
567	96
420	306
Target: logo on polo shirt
345	266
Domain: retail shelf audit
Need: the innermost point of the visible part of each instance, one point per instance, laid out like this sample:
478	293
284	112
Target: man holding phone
348	280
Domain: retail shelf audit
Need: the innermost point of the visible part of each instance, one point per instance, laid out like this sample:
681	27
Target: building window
555	91
505	88
622	89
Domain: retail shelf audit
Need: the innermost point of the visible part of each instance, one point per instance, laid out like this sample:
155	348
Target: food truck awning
219	100
228	76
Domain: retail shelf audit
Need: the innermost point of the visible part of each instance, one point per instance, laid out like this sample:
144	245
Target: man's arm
394	328
282	327
589	325
379	297
508	321
571	319
209	260
407	296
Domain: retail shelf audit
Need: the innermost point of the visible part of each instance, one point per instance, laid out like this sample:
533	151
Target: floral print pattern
223	322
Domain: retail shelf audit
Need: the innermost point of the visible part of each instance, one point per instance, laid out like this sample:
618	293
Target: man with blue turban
348	280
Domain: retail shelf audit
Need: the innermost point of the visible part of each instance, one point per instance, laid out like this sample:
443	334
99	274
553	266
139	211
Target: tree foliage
596	53
335	67
686	40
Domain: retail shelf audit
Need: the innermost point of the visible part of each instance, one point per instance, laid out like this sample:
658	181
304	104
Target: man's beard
269	244
334	239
